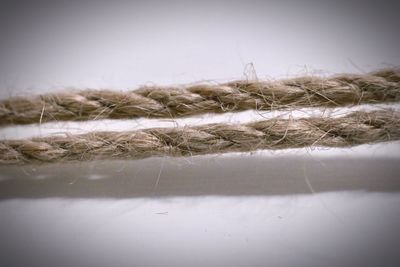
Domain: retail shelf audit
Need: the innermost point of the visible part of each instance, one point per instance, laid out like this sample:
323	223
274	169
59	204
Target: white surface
121	45
337	229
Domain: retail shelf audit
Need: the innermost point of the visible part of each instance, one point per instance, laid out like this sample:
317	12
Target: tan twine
172	102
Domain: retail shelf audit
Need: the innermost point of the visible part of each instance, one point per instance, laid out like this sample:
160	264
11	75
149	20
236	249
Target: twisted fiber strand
353	129
170	102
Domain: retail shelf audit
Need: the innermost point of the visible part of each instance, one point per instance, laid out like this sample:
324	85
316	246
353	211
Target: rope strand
171	102
353	129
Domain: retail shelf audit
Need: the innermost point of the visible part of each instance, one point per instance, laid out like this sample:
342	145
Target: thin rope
171	102
353	129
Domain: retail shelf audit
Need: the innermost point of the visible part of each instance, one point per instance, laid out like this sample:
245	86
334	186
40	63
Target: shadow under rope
200	176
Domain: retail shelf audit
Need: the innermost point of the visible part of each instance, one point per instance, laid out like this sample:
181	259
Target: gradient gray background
337	207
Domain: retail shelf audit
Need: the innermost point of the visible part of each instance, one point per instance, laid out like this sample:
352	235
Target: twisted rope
353	129
170	102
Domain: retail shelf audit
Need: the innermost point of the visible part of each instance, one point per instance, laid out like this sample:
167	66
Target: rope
353	129
171	102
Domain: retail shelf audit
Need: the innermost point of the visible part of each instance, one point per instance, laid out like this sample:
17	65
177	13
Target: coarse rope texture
350	130
172	102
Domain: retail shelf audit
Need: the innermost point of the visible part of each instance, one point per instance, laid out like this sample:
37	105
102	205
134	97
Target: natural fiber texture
170	102
353	129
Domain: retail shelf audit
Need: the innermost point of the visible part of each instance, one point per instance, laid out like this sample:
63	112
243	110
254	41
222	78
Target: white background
304	207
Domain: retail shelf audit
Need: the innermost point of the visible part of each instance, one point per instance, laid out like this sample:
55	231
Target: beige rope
353	129
162	102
